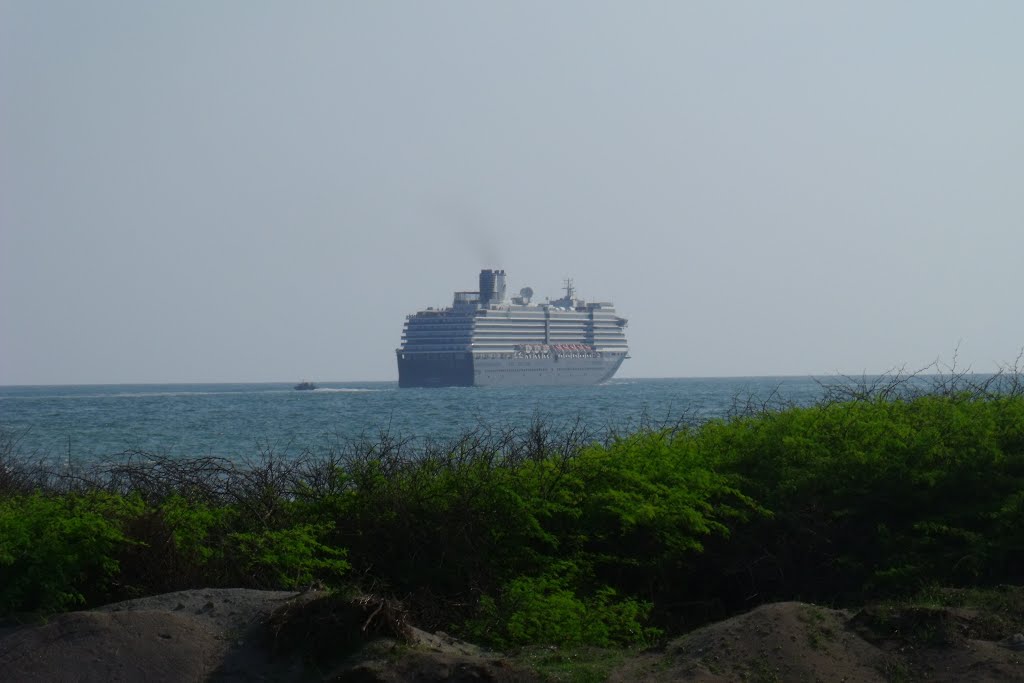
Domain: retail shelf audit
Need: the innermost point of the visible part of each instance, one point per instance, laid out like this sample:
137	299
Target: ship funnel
492	287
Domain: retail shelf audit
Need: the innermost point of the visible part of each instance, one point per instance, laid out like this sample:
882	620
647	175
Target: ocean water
239	421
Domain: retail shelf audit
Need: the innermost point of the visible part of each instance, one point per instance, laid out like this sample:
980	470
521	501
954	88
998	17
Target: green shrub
288	558
547	610
177	544
648	503
444	525
57	552
192	526
876	495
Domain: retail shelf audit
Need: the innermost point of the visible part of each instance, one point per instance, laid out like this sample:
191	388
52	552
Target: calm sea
238	421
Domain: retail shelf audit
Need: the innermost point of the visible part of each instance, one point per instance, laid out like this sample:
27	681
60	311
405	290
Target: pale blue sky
254	191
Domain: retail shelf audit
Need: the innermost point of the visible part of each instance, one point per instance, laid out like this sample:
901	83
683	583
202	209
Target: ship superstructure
482	339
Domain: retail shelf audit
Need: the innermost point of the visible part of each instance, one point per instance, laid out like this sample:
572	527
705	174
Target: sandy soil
793	641
230	635
183	636
247	635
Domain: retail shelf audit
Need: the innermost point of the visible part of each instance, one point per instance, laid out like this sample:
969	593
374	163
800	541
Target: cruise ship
484	340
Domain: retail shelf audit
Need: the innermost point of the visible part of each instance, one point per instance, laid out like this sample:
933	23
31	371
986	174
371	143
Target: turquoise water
240	420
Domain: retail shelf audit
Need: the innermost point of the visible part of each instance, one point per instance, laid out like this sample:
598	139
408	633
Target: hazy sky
254	191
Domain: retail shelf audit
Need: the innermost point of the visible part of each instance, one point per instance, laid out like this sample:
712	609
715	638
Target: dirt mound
124	646
945	644
778	642
244	635
794	641
182	636
370	640
424	667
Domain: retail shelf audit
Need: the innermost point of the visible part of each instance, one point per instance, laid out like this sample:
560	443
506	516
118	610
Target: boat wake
343	390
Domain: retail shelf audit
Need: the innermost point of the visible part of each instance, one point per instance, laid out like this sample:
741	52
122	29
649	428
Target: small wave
148	394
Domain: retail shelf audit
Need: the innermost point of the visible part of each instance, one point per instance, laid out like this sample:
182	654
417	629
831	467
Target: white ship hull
557	371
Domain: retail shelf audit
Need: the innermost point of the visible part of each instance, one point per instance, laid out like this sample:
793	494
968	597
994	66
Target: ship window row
498	313
448	329
511	324
434	356
540	324
435	342
437	333
501	315
538	334
439	322
439	319
438	330
495	356
561	371
534	336
500	329
488	334
506	339
515	327
509	332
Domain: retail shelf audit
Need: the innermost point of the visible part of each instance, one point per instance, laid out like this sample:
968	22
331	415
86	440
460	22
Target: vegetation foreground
550	537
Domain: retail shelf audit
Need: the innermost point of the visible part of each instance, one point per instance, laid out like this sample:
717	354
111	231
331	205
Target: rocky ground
246	635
